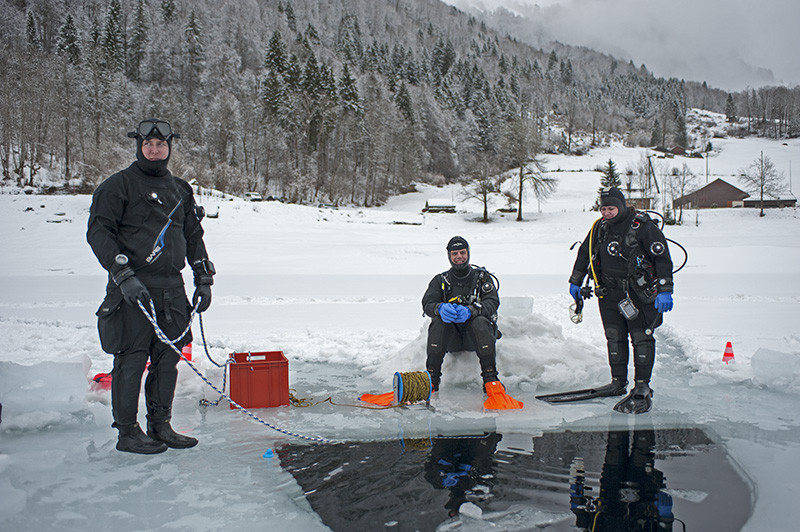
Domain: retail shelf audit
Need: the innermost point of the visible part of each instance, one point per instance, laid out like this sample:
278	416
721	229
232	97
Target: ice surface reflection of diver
463	465
632	496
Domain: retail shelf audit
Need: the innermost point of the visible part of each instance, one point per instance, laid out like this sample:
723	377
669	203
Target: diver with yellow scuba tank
627	257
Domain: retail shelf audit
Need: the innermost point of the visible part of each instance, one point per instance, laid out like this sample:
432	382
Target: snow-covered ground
338	292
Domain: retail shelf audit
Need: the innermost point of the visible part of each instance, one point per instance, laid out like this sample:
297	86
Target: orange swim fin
384	399
498	398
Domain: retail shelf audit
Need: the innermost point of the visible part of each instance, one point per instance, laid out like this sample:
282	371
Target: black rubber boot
489	374
133	440
162	431
639	401
436	379
618	386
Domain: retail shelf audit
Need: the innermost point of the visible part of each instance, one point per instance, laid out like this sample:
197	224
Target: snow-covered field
338	292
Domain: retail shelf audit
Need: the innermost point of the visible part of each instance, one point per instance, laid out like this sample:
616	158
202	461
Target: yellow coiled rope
415	386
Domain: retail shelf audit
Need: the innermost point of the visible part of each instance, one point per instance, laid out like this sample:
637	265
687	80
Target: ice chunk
775	369
55	387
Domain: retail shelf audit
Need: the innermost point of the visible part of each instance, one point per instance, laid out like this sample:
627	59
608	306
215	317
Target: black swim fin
617	387
639	401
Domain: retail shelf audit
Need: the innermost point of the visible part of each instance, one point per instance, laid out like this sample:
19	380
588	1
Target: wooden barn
716	194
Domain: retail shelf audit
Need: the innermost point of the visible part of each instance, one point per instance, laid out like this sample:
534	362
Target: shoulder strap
446	287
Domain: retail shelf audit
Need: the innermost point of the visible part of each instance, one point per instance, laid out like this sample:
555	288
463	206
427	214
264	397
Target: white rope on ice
151	317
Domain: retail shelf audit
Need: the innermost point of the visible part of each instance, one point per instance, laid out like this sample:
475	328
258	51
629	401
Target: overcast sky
730	44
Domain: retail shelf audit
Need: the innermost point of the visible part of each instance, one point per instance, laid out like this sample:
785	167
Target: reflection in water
640	480
461	466
631	488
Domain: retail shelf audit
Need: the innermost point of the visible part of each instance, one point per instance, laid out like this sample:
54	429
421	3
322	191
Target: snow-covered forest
341	102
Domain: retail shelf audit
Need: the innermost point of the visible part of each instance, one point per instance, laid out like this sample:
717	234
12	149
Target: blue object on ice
269	454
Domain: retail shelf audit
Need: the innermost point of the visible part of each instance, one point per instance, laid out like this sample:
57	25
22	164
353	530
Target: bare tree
481	189
763	179
533	174
681	181
522	148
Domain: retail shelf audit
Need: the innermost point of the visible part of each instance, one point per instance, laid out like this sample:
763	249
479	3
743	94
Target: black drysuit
631	257
478	333
152	221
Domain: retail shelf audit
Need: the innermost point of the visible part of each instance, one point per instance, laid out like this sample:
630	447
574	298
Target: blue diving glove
663	501
448	313
575	292
463	314
663	302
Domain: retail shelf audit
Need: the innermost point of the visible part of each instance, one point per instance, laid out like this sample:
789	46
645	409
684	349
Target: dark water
615	480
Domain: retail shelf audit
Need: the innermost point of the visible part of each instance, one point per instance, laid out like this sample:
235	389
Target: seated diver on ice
462	303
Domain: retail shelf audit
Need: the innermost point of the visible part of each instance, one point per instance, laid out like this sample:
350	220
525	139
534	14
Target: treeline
346	101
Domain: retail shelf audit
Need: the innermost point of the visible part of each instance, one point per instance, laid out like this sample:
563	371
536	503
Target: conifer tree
656	136
566	72
552	61
348	92
730	109
195	54
168	10
112	42
294	73
403	101
348	39
31	33
137	47
272	93
311	34
68	45
68	48
291	21
679	115
444	55
610	177
98	80
276	58
311	78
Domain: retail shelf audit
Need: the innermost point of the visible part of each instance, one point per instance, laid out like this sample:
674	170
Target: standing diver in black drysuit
462	303
632	271
143	227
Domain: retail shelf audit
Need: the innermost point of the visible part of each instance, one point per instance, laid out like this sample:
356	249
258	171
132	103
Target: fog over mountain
730	44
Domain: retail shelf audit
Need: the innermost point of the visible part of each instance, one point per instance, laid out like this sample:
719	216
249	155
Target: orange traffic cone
728	356
187	351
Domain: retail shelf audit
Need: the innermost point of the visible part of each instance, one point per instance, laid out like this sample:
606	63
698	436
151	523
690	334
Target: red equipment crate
259	379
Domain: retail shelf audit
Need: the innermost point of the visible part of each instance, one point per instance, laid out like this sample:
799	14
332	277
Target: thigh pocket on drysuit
111	323
174	312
